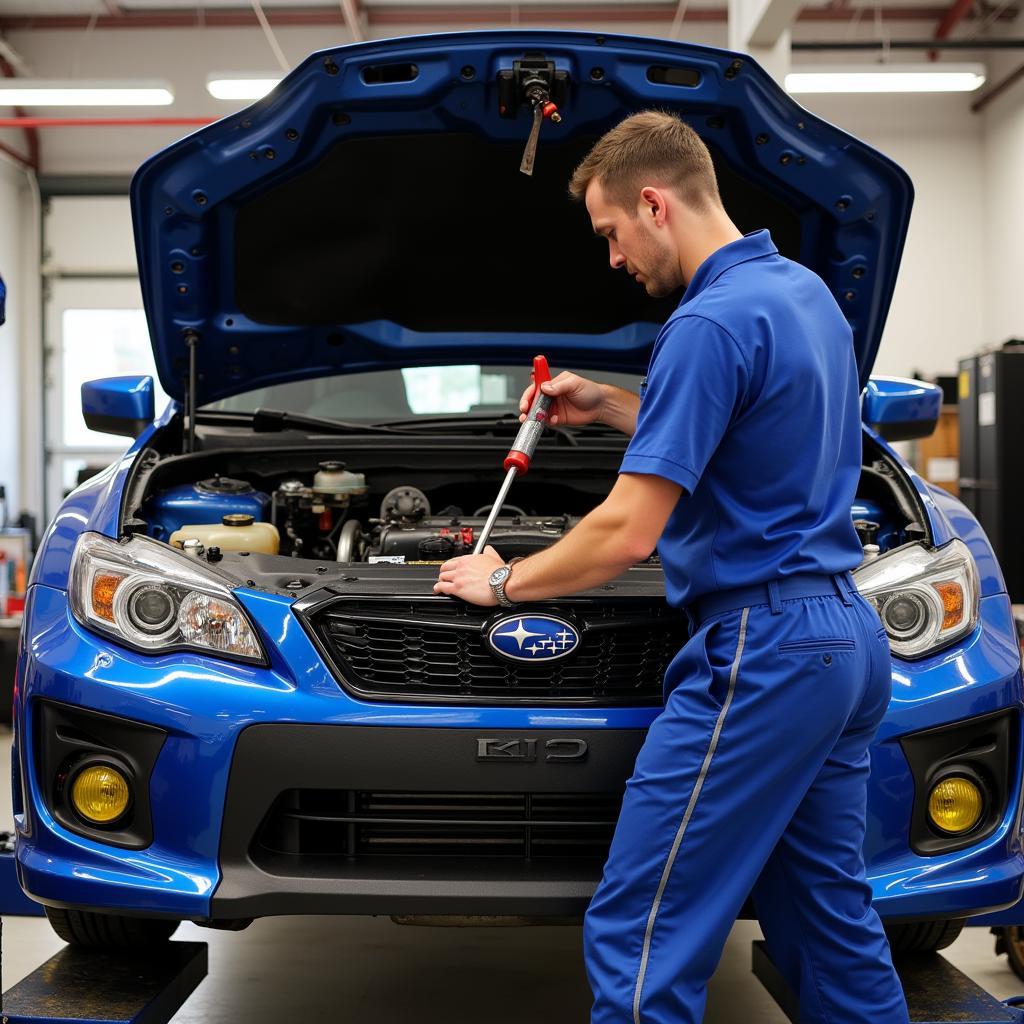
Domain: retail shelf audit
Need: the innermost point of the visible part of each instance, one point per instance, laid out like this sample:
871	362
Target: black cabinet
991	400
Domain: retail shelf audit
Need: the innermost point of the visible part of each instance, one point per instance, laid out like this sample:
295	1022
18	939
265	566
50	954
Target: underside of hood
370	211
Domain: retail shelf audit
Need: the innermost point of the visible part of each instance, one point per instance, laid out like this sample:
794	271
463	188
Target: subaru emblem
532	638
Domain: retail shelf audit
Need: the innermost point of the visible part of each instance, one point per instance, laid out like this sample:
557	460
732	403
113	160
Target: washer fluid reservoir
236	532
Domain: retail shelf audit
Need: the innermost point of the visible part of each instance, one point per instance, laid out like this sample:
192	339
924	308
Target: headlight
926	598
152	598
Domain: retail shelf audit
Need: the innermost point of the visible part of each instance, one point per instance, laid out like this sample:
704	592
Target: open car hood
370	211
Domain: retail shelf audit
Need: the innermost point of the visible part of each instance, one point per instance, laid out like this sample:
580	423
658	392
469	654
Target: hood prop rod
192	342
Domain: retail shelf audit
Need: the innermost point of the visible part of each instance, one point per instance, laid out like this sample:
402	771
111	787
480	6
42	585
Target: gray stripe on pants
652	917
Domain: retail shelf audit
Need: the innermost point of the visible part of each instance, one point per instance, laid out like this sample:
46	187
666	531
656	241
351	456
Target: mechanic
742	467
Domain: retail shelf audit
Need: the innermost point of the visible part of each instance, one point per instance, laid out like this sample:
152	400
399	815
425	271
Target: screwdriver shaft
495	509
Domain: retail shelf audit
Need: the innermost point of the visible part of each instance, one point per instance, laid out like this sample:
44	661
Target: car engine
330	517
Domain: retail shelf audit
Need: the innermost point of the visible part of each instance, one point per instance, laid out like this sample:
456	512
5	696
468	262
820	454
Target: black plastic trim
68	738
983	749
908	430
115	424
632	586
270	759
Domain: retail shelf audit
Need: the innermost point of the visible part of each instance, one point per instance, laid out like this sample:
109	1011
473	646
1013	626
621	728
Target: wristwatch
499	578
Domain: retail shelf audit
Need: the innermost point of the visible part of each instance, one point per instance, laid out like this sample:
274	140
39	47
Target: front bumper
237	737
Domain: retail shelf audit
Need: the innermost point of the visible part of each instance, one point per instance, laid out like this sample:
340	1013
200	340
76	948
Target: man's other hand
466	577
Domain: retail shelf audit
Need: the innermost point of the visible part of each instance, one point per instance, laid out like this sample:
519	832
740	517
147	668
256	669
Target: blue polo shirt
752	404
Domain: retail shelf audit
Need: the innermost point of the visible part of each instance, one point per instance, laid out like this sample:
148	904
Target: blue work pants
752	781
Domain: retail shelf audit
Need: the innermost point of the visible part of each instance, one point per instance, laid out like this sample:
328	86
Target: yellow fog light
100	794
955	804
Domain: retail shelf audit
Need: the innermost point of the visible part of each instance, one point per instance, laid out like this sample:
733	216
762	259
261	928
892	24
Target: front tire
1010	940
922	936
90	930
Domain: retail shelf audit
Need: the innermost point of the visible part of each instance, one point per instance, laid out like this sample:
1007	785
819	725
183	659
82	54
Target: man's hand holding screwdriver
579	401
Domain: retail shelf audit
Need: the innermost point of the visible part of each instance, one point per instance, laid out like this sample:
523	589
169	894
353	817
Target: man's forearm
598	548
620	408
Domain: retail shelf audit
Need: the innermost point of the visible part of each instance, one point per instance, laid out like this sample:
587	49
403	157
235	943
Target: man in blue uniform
743	465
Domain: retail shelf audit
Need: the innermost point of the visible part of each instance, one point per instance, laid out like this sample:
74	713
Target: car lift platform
77	986
936	991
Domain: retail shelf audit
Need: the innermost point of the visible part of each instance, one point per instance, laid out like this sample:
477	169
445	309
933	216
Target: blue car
237	694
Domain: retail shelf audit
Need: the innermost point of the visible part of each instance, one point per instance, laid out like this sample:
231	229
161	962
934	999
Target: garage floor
339	969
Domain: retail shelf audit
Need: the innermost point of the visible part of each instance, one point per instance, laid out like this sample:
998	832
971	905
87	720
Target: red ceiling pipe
956	13
31	135
18	157
104	122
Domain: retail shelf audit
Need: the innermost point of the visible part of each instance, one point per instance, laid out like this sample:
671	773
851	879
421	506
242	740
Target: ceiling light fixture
840	78
234	87
52	92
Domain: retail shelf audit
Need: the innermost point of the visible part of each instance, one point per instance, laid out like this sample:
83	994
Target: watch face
498	575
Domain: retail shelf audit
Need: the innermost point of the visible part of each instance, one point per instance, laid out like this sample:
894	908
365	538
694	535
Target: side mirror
901	409
118	405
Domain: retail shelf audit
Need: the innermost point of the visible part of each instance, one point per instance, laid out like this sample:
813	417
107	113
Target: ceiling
69	13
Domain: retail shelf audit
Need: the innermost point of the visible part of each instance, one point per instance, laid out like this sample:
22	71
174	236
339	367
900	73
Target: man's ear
653	205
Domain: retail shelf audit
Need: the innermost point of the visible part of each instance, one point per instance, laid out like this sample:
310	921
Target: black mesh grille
420	648
331	824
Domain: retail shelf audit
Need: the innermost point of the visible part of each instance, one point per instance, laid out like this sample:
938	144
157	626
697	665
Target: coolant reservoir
334	480
233	533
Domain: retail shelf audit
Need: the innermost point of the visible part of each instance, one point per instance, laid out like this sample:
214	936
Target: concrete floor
355	969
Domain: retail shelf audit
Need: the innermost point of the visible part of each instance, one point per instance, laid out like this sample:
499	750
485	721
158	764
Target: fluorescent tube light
51	92
886	78
248	87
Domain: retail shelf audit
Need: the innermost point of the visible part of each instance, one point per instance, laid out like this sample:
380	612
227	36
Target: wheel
922	936
1010	940
109	931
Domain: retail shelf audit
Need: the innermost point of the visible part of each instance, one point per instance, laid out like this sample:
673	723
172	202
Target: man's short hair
649	148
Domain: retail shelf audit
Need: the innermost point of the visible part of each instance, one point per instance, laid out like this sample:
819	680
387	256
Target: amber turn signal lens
100	794
952	595
104	586
955	804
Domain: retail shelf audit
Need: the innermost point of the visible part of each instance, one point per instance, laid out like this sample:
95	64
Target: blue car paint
854	210
204	703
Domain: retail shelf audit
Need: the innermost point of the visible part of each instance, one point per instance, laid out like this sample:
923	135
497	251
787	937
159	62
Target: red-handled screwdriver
517	462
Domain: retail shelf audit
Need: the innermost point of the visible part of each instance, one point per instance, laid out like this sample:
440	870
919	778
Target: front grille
414	649
355	824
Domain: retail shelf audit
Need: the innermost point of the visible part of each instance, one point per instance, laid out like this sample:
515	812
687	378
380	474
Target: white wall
16	335
1003	183
938	310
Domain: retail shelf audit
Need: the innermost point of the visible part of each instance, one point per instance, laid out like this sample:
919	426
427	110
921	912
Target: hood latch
534	83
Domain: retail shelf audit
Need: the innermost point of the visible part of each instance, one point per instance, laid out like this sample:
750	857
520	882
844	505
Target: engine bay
316	507
330	517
